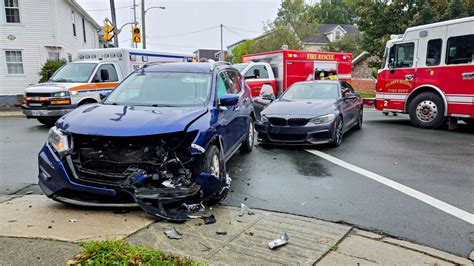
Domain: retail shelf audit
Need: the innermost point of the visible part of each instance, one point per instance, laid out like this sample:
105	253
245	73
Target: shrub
49	67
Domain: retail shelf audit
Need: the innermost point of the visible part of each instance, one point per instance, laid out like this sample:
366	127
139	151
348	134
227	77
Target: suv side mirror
229	99
104	75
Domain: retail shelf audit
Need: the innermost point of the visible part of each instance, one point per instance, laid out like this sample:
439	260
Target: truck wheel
427	110
47	121
213	163
247	145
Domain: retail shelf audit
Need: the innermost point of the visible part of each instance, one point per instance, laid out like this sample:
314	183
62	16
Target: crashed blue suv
159	140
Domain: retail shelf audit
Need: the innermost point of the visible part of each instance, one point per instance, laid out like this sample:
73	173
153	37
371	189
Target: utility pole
134	45
143	26
221	57
114	21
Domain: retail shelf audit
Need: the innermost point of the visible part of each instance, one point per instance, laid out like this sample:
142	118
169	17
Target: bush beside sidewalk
36	230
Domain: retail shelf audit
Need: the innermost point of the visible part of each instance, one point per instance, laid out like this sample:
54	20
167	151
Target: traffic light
108	32
136	37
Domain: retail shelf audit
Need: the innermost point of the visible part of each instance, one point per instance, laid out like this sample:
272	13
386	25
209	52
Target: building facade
326	33
33	31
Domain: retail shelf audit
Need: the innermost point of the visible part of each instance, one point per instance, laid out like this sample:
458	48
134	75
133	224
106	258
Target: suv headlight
322	119
263	118
61	94
59	140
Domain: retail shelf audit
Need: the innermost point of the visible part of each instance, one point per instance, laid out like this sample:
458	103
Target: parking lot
432	169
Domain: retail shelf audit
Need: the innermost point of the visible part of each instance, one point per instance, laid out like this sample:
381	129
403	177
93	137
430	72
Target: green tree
348	44
297	15
49	67
247	47
333	12
276	38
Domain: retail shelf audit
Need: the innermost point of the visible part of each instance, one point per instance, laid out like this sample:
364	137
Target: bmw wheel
360	119
247	145
338	132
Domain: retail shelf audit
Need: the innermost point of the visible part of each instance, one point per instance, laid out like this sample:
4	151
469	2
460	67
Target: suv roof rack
217	63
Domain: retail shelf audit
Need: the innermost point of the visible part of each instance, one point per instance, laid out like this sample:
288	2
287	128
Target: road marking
443	206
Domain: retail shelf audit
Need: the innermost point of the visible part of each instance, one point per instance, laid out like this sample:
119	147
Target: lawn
118	252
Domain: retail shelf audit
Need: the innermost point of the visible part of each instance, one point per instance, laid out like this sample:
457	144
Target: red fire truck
282	68
428	72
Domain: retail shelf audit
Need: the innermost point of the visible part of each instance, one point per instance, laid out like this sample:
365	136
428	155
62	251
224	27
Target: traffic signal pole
143	26
114	21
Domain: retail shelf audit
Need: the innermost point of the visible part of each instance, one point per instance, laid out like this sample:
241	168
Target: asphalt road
439	163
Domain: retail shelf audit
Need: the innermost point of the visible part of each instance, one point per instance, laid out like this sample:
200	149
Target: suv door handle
409	77
468	75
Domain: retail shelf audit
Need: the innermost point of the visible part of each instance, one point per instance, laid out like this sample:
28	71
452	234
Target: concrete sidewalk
35	230
11	112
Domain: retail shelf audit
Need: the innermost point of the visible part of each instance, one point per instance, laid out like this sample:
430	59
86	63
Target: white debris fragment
283	240
173	234
245	210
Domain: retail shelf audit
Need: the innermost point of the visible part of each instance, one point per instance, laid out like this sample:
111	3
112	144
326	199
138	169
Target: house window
338	35
12	11
53	55
14	62
84	30
73	20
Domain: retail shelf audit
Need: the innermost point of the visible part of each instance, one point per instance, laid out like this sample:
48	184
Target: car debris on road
173	234
283	240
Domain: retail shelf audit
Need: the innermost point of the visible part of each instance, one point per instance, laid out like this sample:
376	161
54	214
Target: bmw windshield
169	89
311	91
74	72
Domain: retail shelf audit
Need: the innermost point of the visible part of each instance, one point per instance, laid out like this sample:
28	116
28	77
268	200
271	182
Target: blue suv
163	134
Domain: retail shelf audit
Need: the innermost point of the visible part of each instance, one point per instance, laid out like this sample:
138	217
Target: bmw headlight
263	118
322	119
61	94
59	140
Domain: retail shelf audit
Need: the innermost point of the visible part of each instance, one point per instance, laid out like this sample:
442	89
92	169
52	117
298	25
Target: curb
12	114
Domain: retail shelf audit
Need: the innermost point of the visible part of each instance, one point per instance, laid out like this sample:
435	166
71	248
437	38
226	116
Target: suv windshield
74	72
162	89
311	91
240	67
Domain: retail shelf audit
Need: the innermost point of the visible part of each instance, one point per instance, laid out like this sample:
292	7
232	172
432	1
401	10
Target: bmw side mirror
104	94
229	100
349	96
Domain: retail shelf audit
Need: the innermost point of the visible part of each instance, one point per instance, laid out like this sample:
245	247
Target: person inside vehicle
332	75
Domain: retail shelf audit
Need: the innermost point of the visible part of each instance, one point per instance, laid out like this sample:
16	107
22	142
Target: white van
80	82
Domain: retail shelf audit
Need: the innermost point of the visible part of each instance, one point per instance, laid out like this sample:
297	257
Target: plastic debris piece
209	219
221	232
173	234
72	220
245	210
283	240
196	207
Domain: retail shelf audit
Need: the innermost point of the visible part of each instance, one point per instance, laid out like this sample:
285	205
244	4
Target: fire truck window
257	72
401	55
433	52
460	50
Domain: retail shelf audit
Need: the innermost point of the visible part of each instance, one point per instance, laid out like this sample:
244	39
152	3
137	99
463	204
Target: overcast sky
166	29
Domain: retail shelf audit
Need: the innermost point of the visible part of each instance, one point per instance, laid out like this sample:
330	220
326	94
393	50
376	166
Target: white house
326	33
32	31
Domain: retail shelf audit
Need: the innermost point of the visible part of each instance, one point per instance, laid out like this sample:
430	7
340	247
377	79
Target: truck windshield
311	91
74	72
169	89
240	67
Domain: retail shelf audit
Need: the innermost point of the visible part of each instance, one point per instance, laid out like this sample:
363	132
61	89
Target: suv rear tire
247	145
427	110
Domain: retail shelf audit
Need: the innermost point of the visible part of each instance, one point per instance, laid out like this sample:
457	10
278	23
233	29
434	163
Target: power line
239	29
108	9
186	33
235	32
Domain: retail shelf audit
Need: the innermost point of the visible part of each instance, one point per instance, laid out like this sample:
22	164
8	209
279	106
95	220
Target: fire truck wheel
427	110
47	121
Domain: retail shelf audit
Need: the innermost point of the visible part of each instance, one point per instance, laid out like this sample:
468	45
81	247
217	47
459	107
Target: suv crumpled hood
127	121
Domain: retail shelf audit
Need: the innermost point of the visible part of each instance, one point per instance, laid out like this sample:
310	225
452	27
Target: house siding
43	26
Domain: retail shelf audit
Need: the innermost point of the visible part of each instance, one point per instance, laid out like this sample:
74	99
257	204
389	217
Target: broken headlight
322	119
264	119
59	140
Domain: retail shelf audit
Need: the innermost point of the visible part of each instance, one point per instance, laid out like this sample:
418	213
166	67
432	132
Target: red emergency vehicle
428	72
282	68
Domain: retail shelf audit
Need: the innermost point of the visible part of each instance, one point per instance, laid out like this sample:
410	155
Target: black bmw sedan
311	112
